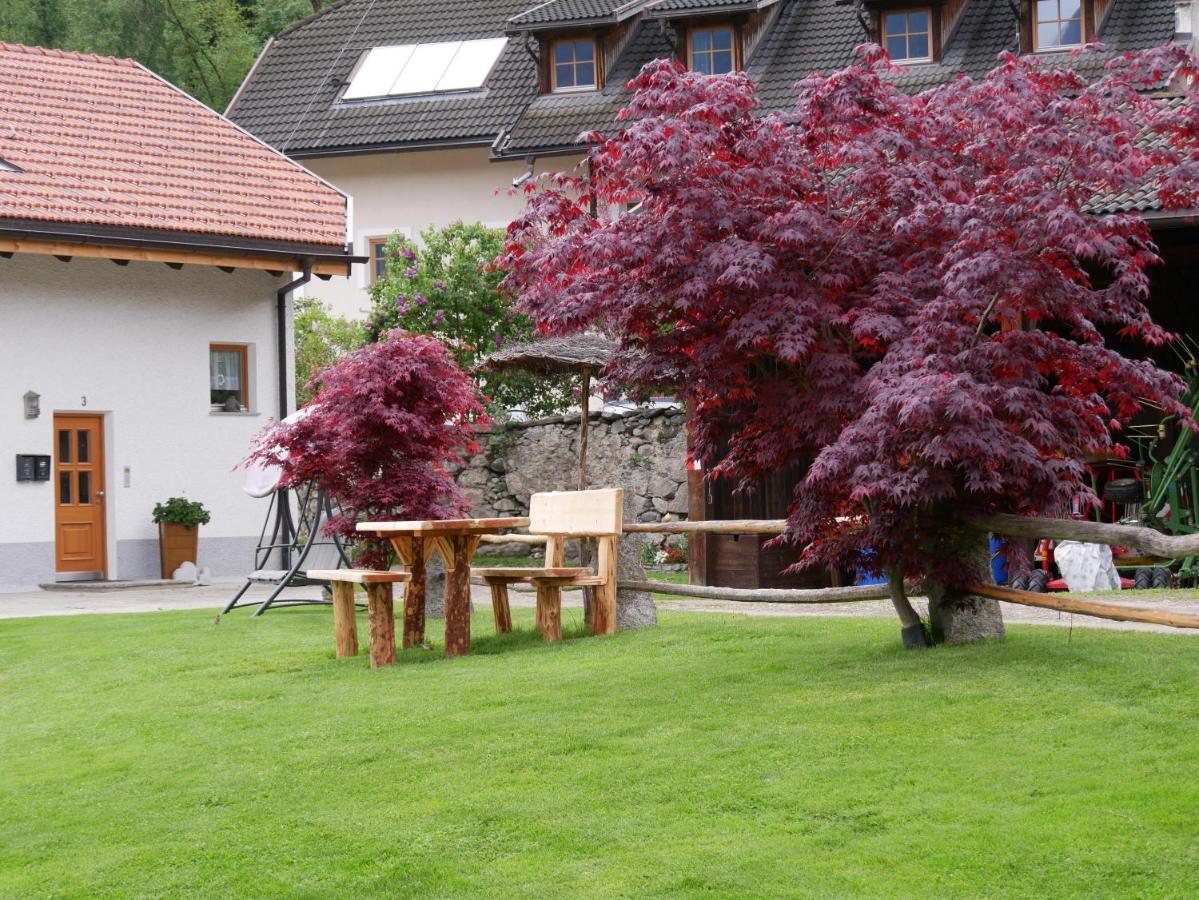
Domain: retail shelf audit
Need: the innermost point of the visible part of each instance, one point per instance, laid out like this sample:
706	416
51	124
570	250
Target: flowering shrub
908	289
384	425
447	288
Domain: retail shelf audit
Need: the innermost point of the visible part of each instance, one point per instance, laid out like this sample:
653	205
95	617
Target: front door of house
79	496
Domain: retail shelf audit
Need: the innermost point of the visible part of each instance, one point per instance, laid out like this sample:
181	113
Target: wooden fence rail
1116	611
763	595
1145	540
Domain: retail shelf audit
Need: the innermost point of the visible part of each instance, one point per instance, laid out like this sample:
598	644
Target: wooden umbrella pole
584	429
584	415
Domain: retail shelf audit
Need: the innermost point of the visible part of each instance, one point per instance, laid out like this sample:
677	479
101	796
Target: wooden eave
121	245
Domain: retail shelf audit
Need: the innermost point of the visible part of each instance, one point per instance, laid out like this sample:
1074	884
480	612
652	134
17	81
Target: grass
158	755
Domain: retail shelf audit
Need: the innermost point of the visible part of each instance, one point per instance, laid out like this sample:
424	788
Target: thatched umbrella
583	353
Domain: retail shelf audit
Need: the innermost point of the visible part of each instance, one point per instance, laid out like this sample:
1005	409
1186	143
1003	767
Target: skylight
424	68
6	166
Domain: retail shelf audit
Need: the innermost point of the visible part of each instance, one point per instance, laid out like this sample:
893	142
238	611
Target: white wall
132	342
408	192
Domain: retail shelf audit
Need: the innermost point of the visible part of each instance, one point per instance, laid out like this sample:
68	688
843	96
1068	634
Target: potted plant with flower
179	521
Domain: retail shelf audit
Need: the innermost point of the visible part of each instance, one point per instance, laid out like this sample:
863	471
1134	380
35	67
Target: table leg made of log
457	550
414	553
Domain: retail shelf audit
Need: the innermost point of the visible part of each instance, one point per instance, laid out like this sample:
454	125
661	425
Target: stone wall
644	451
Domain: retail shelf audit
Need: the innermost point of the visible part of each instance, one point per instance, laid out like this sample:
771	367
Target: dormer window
908	35
1058	24
711	51
572	65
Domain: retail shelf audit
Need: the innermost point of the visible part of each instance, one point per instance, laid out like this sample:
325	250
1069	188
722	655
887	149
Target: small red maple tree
907	291
384	425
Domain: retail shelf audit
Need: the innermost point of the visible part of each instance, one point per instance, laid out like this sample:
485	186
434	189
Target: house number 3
83	401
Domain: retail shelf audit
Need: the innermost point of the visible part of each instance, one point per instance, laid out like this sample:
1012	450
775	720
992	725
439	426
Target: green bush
181	511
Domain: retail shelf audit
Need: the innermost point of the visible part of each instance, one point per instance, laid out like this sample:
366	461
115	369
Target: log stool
380	611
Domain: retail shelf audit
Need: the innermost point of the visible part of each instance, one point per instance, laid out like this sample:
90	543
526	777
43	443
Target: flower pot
177	544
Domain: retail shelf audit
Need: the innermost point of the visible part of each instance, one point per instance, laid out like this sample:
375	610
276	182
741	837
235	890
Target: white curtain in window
225	370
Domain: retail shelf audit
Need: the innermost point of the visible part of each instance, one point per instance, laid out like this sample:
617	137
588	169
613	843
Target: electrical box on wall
33	467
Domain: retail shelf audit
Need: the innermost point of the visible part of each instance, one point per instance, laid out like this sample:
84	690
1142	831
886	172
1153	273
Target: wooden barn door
79	536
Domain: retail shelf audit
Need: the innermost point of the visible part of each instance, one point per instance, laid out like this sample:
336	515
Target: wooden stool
380	611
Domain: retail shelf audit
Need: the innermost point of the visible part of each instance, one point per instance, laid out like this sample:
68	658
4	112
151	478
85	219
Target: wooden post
584	432
549	611
414	554
499	606
584	416
603	610
381	616
345	627
457	551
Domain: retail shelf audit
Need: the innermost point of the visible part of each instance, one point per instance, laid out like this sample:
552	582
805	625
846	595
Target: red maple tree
908	291
384	425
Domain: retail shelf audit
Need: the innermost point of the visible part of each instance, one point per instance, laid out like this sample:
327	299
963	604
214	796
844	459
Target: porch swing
290	543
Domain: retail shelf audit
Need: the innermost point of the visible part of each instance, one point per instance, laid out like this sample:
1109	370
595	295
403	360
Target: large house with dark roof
148	248
427	111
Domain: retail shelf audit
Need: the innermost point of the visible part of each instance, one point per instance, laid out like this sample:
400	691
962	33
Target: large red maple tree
909	290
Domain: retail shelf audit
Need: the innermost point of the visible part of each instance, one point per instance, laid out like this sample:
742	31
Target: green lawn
158	755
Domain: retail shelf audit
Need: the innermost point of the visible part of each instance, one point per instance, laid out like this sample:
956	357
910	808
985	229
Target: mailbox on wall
33	467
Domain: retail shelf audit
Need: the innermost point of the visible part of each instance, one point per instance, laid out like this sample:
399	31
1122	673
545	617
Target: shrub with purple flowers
446	287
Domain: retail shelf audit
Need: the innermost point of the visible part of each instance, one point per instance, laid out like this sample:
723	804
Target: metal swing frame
292	537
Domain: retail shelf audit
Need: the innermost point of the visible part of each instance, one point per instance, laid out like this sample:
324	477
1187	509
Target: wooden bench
380	608
559	516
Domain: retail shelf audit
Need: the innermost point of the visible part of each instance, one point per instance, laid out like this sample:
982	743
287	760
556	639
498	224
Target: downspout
281	332
285	528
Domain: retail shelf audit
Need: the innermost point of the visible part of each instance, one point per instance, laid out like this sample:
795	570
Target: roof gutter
397	147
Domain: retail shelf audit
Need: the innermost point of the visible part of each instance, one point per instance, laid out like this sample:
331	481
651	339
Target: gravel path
26	604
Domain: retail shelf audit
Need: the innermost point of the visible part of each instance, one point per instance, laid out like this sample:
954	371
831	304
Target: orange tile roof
103	141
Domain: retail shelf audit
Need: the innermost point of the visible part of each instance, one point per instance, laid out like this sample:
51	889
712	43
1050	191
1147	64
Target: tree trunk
634	609
957	617
913	633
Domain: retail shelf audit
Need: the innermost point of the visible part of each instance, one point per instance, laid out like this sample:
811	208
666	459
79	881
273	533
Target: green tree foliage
446	287
205	47
321	340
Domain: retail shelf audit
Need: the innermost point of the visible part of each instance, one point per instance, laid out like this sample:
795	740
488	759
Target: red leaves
386	423
852	282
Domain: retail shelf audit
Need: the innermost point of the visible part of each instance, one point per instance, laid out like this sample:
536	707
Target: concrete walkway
26	604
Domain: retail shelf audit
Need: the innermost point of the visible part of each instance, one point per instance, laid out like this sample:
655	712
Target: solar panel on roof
424	68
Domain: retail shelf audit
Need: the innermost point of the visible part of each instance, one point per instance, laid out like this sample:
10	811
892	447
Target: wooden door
79	495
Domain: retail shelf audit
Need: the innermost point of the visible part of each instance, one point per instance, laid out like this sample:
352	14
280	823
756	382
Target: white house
148	249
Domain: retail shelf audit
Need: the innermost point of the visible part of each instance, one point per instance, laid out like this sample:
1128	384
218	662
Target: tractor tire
1124	490
1143	579
1038	582
1018	583
1162	577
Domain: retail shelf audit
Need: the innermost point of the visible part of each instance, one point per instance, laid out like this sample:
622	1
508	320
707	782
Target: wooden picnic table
456	540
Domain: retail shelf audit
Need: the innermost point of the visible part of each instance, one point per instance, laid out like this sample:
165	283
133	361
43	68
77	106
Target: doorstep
101	586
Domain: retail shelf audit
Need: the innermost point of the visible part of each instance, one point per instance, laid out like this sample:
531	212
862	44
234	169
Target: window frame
373	276
244	351
552	64
1084	28
731	27
933	42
